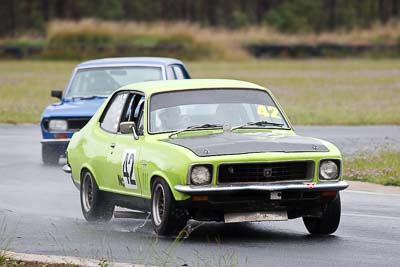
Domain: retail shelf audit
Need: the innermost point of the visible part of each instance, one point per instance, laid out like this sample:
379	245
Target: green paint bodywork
90	147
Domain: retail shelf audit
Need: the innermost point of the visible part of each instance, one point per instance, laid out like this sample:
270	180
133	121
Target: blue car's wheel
50	156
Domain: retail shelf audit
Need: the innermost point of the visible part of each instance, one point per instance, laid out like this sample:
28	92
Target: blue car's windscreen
104	81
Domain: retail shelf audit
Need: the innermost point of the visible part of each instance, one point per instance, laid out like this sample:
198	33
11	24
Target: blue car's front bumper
54	136
58	146
57	141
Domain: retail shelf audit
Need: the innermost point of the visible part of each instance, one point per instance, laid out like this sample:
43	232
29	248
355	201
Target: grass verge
382	168
3	259
13	263
312	92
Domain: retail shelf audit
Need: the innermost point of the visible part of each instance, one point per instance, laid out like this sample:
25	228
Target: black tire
166	217
95	206
49	155
329	220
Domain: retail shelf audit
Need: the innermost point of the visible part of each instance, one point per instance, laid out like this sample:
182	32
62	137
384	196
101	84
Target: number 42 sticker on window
128	169
268	111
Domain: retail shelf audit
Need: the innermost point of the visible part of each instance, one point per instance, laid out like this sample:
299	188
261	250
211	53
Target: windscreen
172	111
104	81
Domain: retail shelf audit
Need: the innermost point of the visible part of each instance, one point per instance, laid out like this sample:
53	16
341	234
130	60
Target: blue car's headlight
58	125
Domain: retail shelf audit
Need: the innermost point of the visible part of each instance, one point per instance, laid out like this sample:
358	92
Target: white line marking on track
373	193
371	216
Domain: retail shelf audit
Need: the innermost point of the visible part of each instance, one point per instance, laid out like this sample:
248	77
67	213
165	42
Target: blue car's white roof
129	60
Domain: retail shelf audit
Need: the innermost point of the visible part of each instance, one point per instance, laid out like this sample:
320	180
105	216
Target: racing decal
120	180
128	169
268	111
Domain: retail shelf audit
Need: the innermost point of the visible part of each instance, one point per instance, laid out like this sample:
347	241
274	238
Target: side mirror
128	127
56	93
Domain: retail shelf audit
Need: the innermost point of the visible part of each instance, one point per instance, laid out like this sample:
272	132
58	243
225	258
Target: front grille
265	172
77	124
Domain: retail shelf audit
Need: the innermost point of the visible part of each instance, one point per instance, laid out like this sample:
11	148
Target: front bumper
213	189
64	141
66	168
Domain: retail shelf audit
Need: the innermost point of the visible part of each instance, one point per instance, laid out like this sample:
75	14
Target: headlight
200	175
58	125
329	170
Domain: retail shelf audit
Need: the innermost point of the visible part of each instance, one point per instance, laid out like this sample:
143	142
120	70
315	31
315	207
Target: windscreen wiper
198	127
258	124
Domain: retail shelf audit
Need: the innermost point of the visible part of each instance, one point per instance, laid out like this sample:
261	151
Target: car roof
129	60
152	87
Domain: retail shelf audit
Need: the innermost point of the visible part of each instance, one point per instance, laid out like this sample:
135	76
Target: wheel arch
87	168
177	195
154	177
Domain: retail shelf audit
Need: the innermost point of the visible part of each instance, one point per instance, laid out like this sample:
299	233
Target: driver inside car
171	119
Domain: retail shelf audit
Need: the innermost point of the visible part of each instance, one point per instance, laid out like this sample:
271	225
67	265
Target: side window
134	110
111	119
179	75
141	125
170	73
127	113
139	116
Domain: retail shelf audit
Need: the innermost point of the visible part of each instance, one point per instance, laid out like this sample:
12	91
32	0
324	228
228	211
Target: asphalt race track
40	213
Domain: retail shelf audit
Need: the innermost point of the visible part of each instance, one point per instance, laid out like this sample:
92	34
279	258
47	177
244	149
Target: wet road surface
40	213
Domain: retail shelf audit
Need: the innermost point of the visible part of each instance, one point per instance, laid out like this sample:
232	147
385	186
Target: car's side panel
74	156
79	160
96	147
124	165
79	150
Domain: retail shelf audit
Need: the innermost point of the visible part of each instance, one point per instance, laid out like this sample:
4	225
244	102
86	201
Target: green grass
3	259
318	92
324	92
25	88
382	168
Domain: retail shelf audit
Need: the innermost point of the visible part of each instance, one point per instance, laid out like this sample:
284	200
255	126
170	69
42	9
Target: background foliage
286	15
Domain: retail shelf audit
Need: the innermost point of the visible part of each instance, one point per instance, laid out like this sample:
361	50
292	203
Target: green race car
219	150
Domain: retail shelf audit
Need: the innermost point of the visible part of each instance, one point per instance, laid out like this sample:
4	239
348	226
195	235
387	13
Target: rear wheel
166	217
95	206
329	220
49	155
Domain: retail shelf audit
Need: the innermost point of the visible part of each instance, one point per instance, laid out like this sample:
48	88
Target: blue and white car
90	84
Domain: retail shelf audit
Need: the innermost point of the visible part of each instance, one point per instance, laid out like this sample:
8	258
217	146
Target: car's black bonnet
241	143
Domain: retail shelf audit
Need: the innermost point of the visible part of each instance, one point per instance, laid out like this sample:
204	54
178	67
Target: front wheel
329	220
50	156
166	217
95	206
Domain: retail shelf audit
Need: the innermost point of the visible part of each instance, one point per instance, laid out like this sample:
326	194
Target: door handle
112	145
